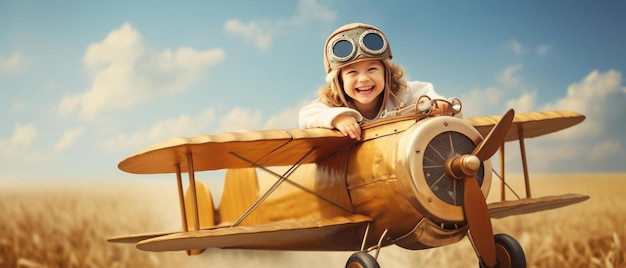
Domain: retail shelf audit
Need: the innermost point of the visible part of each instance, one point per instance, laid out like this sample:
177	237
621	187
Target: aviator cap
352	43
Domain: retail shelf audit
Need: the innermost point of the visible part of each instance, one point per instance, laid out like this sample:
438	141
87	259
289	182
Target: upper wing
529	205
277	235
212	152
528	125
286	147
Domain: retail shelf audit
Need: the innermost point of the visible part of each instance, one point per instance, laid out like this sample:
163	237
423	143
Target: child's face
363	82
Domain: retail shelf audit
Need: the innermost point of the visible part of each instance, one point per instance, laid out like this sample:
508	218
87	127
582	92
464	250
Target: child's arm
418	88
348	126
318	114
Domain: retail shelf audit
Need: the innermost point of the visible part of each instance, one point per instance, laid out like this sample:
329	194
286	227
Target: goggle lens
373	42
342	49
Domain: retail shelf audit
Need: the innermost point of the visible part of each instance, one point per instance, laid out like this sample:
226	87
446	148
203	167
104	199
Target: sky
84	84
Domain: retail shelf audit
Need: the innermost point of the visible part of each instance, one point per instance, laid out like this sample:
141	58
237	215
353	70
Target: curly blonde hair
333	96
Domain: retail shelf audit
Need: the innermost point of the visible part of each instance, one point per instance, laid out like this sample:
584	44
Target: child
363	83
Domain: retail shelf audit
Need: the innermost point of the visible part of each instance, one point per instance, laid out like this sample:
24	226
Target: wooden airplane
418	181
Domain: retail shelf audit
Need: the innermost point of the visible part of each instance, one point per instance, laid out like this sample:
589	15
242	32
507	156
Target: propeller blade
479	222
475	208
495	138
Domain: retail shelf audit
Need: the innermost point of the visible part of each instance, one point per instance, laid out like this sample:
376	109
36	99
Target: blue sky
84	85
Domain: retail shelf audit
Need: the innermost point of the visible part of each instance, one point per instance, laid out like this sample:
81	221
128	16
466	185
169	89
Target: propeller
475	206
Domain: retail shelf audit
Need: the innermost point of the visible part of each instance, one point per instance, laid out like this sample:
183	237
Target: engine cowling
423	152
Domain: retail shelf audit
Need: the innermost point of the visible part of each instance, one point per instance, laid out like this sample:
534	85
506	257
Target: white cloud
518	49
182	126
23	135
585	95
239	119
24	156
548	154
261	33
18	106
600	98
16	146
69	138
515	47
591	97
253	32
286	119
607	150
12	64
480	102
523	104
311	10
236	120
509	77
543	50
125	72
595	143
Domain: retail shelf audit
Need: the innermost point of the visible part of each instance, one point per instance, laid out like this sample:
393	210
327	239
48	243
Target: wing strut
271	189
520	135
522	148
181	197
502	177
192	185
181	201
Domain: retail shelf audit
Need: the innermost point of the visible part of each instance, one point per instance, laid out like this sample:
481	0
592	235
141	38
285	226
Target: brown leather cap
348	27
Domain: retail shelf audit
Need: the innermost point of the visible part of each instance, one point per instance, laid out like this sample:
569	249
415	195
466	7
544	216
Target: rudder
241	190
206	210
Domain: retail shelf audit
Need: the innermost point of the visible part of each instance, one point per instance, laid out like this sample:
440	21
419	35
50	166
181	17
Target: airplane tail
206	210
241	190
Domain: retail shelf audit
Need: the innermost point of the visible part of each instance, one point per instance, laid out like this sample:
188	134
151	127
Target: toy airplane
418	181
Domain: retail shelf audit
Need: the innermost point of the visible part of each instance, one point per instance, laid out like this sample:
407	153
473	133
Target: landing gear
362	259
509	252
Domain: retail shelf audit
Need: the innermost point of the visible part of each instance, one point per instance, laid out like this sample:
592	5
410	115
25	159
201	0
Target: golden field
67	224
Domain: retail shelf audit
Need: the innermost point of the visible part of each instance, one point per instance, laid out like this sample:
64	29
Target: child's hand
441	108
348	126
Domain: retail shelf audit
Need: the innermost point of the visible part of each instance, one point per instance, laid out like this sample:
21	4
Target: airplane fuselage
385	177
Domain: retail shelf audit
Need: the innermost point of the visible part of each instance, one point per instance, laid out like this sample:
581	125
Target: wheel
362	259
509	253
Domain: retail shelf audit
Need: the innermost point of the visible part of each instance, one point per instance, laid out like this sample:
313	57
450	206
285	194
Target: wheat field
67	224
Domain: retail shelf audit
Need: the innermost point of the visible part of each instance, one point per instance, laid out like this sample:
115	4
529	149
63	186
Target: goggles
354	43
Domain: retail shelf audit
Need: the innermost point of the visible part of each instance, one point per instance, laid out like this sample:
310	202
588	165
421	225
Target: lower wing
530	205
278	235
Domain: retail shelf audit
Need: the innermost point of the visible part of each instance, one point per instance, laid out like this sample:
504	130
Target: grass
45	225
66	225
